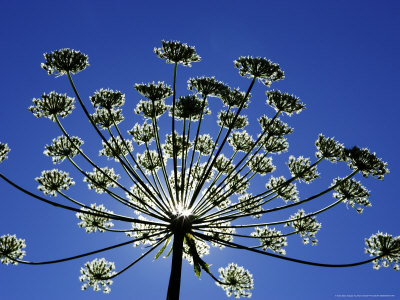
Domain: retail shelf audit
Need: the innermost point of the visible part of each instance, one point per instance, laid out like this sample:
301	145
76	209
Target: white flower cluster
65	60
142	134
227	119
386	246
236	280
144	230
118	148
11	248
274	144
234	98
106	118
169	148
107	98
286	103
4	149
367	163
329	148
223	164
237	184
97	274
218	199
241	141
177	52
207	86
92	223
247	205
271	239
221	231
352	193
274	127
53	181
306	226
138	196
204	144
190	107
151	109
149	160
261	164
62	147
300	168
52	105
288	192
154	91
261	68
100	181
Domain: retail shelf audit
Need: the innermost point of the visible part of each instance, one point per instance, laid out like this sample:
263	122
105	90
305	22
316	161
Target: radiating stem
174	154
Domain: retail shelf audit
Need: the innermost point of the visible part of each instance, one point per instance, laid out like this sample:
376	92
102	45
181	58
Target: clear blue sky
340	57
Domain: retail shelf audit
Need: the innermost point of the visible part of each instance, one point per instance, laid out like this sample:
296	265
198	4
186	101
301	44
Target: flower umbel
107	98
177	52
306	226
366	162
11	248
4	149
301	169
118	148
100	181
62	147
52	105
261	68
201	185
286	103
386	247
64	61
153	91
92	223
53	181
236	280
271	239
191	107
207	86
97	274
352	193
142	134
328	148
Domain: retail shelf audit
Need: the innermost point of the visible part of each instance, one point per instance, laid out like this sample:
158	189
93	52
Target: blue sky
340	58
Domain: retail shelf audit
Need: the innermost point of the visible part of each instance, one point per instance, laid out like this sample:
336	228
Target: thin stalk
94	165
183	161
186	156
100	134
139	259
160	153
88	115
286	206
133	158
121	199
264	194
209	158
174	154
197	191
248	153
156	180
77	256
238	246
196	138
103	214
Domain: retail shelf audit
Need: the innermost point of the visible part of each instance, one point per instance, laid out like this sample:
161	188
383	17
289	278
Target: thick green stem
176	266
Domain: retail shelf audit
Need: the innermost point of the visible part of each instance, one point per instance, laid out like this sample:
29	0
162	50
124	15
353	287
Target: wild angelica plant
205	198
